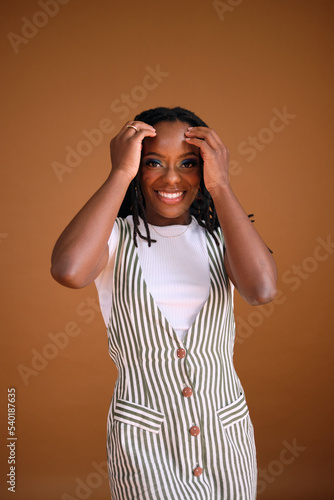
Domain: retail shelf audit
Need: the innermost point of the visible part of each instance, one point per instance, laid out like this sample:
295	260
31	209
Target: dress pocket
138	416
234	412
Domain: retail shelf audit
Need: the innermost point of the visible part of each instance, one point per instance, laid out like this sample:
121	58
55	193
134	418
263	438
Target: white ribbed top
175	269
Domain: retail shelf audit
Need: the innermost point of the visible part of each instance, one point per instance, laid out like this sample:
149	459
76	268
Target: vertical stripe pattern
152	451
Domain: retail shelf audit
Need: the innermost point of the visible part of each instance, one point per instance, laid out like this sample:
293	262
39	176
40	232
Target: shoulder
216	236
124	226
124	229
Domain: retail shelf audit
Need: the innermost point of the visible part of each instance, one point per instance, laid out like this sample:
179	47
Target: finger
201	144
206	134
204	131
137	126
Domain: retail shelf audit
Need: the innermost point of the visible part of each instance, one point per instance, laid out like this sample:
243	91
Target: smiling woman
170	175
178	424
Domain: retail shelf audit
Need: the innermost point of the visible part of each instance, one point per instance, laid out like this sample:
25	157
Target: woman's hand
126	146
214	154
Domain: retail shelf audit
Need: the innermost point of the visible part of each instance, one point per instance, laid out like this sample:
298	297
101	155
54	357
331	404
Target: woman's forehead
170	139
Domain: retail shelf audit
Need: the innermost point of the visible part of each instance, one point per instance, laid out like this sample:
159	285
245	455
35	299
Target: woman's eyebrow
153	153
190	153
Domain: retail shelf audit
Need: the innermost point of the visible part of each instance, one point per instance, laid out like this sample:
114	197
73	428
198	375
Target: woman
178	425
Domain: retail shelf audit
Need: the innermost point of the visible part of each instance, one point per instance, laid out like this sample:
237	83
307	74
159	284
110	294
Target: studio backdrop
260	73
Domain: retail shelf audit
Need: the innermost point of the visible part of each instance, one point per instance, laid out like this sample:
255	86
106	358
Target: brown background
234	70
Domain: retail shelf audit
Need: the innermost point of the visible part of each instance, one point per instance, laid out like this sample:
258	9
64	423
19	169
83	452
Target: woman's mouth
171	197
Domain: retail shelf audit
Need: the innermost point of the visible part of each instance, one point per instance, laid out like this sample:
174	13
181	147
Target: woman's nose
172	175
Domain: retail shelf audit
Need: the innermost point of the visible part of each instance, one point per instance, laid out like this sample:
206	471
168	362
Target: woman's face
170	174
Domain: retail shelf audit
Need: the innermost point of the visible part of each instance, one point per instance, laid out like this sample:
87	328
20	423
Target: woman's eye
189	164
152	163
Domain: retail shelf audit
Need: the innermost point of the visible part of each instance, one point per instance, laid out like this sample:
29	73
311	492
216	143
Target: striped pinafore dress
178	424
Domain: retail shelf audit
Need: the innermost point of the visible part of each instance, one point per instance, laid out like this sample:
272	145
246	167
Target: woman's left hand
214	153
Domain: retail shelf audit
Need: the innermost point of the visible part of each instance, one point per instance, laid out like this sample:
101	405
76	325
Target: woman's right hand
126	147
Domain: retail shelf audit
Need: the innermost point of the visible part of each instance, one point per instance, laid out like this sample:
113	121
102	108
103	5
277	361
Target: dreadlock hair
202	208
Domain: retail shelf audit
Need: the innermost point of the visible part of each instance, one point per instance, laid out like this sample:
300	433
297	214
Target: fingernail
190	128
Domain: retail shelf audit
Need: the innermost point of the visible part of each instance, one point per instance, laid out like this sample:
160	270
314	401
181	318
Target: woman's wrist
220	189
119	176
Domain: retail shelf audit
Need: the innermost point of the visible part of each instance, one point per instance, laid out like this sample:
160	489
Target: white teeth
171	196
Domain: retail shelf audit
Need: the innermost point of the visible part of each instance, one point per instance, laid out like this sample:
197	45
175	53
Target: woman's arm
81	251
248	262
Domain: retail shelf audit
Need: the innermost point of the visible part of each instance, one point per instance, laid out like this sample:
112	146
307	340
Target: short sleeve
104	281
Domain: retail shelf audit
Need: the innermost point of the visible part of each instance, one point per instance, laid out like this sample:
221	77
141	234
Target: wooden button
187	392
194	430
198	471
181	353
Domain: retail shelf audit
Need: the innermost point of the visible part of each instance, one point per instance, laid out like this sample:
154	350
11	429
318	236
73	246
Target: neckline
172	333
173	230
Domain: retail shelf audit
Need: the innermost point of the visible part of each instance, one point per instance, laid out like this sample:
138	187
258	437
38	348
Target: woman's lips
170	197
